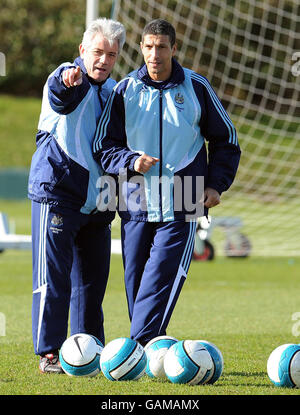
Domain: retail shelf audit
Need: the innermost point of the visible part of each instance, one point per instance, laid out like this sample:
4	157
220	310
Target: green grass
244	306
18	127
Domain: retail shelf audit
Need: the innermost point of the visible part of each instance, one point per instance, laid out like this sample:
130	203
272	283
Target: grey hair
110	29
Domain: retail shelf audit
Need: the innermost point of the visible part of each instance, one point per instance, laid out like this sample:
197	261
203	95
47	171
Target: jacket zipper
101	106
100	98
160	150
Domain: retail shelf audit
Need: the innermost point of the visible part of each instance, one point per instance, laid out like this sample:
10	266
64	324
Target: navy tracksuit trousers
156	258
71	255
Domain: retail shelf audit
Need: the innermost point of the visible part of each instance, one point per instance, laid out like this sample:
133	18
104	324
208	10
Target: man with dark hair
155	126
159	27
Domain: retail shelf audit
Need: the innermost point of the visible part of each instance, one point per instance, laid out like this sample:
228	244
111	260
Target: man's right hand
143	163
72	77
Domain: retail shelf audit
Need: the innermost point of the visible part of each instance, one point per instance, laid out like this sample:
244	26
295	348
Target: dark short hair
160	27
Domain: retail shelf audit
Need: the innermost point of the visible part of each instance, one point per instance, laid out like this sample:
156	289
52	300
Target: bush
36	36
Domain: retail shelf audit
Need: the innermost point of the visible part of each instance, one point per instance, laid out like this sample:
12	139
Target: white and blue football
189	362
218	361
123	359
80	355
156	350
283	366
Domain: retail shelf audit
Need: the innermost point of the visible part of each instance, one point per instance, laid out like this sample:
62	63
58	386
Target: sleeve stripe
219	108
102	126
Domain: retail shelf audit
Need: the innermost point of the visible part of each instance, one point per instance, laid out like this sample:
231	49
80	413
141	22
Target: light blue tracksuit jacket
170	120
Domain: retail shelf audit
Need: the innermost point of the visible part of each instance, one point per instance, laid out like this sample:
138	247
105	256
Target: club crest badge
179	101
179	98
56	222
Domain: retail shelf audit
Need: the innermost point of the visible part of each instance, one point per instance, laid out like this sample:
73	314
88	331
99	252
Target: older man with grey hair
70	237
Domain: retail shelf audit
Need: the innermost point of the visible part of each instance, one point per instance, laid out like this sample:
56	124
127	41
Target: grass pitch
244	306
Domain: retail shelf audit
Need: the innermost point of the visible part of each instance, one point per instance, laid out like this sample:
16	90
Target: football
80	355
283	366
189	362
123	359
218	361
156	350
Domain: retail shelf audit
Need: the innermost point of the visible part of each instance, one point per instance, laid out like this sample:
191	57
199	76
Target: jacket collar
176	78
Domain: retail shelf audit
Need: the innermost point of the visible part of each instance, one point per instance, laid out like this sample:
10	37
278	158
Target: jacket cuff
213	185
132	161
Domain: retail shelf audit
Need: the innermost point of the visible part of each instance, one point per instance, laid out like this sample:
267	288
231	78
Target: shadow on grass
246	374
249	376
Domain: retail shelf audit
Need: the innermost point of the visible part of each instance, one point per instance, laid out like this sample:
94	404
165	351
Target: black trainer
49	363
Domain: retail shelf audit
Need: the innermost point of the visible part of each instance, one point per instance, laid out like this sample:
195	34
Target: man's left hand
211	197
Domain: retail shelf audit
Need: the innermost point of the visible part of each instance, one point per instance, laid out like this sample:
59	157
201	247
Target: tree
36	36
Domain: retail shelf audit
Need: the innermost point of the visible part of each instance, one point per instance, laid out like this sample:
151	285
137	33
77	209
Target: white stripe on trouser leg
42	244
182	272
39	282
42	266
187	256
44	269
43	291
188	247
